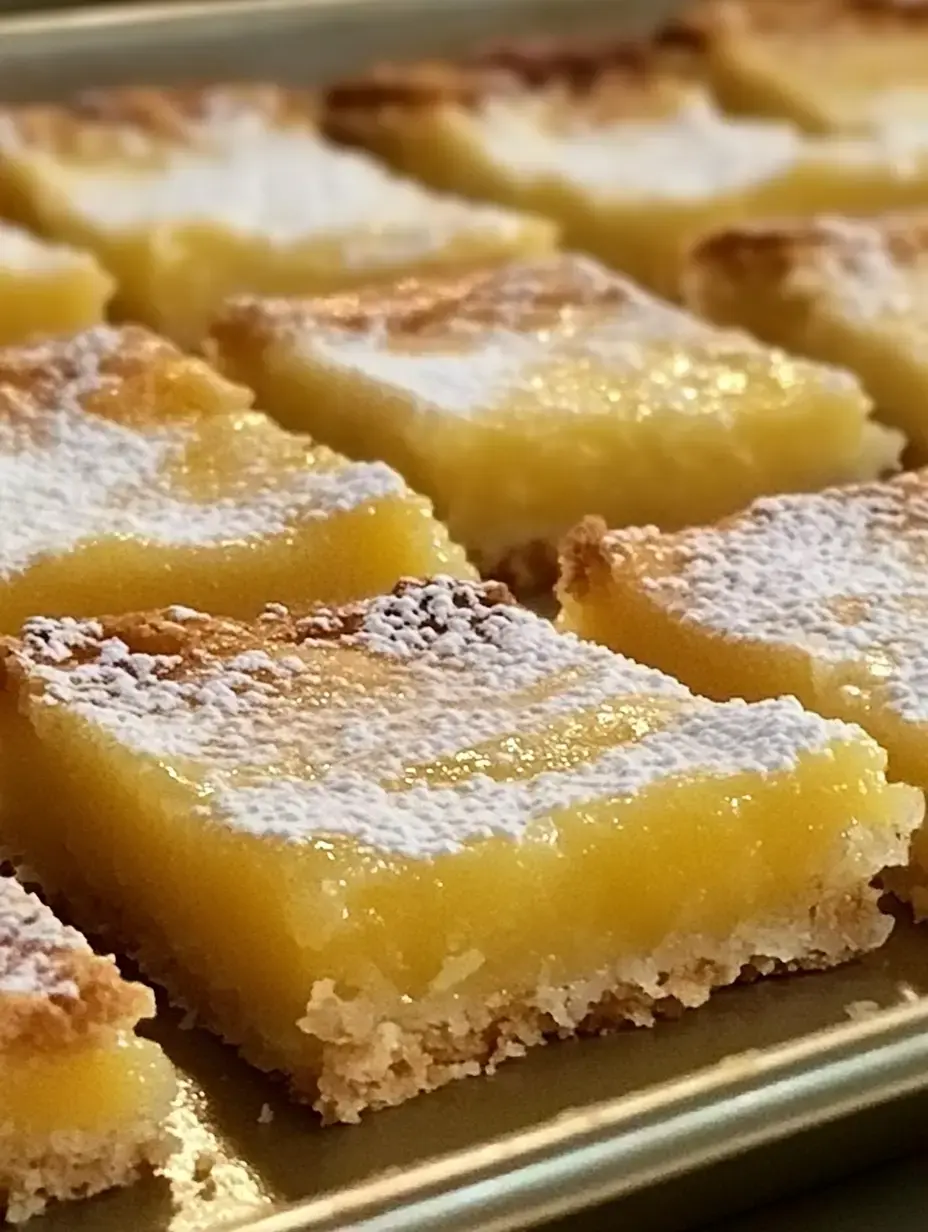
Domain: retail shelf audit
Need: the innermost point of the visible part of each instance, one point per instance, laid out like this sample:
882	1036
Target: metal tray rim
625	1143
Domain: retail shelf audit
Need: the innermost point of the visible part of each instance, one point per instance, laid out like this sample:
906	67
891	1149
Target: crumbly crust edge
371	1061
74	1165
105	1001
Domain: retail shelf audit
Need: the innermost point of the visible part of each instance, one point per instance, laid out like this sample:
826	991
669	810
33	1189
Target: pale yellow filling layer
588	886
94	1088
695	431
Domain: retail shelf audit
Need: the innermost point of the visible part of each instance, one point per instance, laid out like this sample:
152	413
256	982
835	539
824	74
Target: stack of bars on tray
297	388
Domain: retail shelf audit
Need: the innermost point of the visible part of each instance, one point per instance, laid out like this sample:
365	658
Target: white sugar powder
67	476
32	940
842	575
462	671
694	153
285	185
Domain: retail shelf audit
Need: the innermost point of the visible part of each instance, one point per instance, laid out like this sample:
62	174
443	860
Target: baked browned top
627	75
771	252
184	641
91	122
53	989
521	296
122	373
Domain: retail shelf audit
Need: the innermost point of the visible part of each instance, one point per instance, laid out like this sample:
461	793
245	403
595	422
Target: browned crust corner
123	372
768	250
103	1000
188	640
520	294
578	66
582	555
772	253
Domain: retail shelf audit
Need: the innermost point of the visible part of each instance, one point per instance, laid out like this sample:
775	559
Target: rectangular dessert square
622	145
449	831
853	291
188	195
47	288
828	65
83	1099
513	398
132	474
821	596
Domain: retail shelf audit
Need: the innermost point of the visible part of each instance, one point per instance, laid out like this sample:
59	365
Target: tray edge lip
811	1081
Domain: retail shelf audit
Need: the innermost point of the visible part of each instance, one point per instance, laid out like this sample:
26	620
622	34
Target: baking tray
747	1098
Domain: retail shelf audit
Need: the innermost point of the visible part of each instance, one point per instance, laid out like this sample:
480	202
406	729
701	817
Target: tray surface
245	1150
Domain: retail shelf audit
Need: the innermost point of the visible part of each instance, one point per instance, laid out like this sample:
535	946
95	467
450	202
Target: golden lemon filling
46	288
83	1100
821	596
130	474
513	399
850	291
85	1089
190	195
830	65
406	798
628	153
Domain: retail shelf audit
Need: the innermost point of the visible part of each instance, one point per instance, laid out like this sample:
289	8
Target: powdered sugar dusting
472	367
32	943
842	575
694	153
852	266
69	476
321	733
707	741
284	183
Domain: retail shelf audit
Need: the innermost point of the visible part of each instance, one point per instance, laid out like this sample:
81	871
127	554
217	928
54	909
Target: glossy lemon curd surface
93	1088
162	486
696	428
869	314
137	837
337	556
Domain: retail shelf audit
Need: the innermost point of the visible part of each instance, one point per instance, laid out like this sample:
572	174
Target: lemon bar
82	1097
189	195
822	596
829	65
848	291
47	288
131	474
626	150
449	831
513	398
